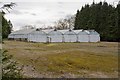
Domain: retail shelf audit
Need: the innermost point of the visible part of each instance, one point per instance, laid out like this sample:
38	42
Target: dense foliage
0	27
9	68
101	17
6	27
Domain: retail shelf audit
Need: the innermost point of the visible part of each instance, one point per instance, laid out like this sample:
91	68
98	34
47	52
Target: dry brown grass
67	59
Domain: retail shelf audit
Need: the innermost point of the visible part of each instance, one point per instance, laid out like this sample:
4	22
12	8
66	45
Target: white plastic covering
10	36
83	36
70	36
55	36
20	33
37	36
93	36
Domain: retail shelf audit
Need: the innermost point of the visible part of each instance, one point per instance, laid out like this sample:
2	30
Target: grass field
90	60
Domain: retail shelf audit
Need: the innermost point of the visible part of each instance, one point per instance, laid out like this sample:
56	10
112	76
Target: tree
0	27
9	67
100	17
6	26
70	19
118	20
77	20
66	23
61	24
28	27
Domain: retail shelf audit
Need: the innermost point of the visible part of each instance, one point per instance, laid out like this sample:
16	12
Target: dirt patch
29	71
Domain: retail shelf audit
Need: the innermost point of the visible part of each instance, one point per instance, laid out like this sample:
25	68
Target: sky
43	13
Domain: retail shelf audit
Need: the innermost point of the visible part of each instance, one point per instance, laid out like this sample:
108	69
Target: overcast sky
43	12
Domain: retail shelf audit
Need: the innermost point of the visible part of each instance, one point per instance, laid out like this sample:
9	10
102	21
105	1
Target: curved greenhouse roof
23	31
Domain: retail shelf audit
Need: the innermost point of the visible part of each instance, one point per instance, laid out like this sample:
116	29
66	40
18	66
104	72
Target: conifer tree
101	17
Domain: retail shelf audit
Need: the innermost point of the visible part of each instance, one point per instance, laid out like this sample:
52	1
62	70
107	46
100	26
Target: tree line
102	17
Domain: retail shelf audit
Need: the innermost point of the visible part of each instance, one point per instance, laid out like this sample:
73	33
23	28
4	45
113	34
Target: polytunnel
70	36
55	36
82	36
37	36
20	34
93	36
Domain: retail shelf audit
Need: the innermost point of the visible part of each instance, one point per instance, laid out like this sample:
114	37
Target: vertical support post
88	37
63	39
47	39
77	37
